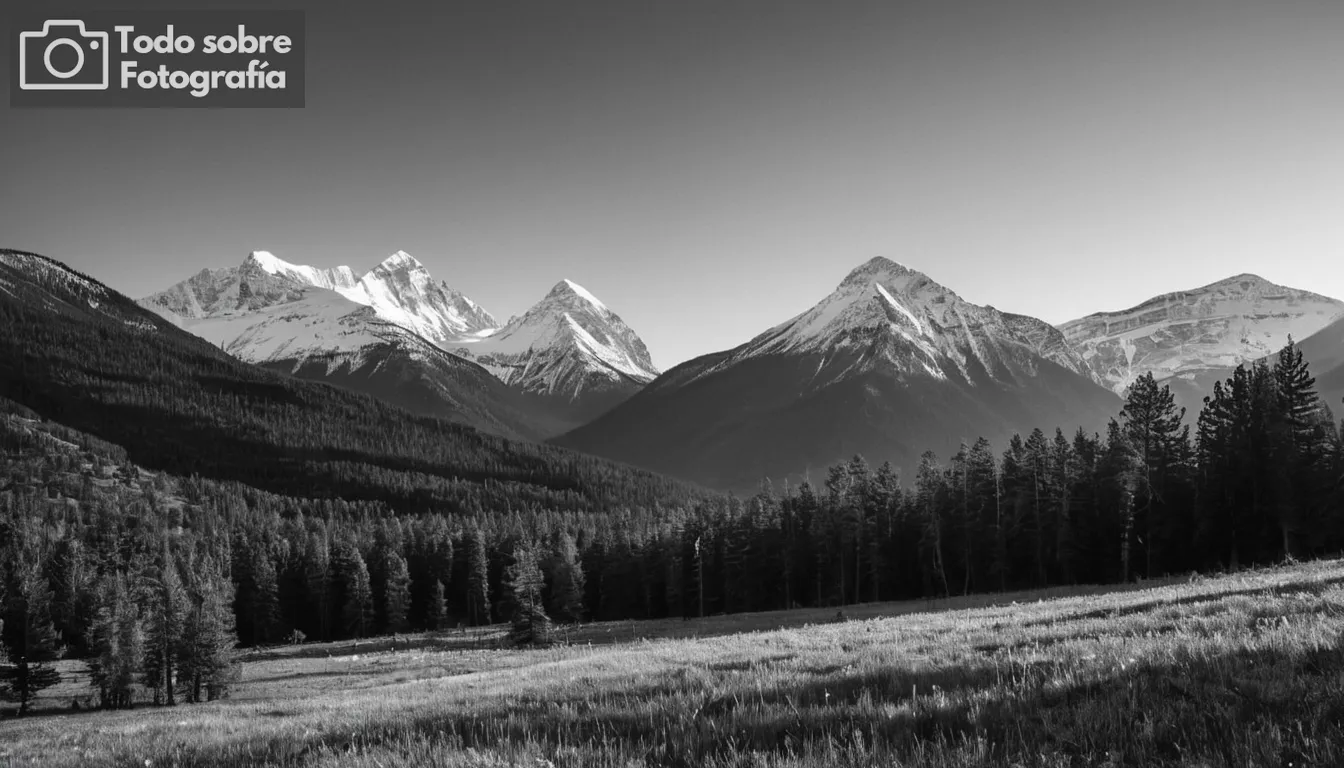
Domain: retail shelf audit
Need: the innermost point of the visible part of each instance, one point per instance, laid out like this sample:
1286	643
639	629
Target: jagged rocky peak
571	293
399	289
883	280
335	278
879	268
400	261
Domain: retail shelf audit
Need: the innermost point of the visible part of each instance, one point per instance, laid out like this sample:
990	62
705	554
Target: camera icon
47	64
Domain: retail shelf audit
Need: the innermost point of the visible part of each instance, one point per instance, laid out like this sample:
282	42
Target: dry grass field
1239	670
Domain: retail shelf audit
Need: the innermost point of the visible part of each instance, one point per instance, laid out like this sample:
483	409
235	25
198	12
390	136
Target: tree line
155	578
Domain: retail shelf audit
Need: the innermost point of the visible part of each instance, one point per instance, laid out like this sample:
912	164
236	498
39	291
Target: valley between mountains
888	364
164	501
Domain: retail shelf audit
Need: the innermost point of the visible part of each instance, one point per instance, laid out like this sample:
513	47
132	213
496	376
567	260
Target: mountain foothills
890	364
1190	339
398	334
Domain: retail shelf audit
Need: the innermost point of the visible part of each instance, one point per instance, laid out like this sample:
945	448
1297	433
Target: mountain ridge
1190	338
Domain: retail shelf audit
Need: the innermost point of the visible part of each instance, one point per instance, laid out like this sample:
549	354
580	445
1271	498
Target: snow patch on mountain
400	290
321	324
335	279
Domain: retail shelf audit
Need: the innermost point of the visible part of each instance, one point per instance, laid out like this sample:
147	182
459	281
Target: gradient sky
710	169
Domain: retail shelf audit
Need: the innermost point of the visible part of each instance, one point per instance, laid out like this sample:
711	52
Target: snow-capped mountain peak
567	288
268	262
888	315
402	291
566	344
879	268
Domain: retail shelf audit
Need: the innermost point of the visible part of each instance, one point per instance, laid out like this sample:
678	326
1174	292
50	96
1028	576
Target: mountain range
397	333
889	364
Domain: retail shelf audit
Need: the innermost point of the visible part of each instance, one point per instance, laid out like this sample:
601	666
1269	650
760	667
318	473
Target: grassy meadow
1238	670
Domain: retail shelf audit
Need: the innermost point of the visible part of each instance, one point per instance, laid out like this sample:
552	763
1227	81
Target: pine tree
396	593
524	583
982	520
437	617
1064	475
206	655
162	591
1301	438
478	579
931	492
1014	487
357	616
319	580
1152	426
28	634
565	572
1125	475
263	591
118	642
883	501
1037	467
74	584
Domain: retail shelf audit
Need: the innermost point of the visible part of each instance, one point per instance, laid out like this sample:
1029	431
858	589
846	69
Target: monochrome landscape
880	488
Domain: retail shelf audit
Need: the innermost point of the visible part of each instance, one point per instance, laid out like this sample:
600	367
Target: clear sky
709	169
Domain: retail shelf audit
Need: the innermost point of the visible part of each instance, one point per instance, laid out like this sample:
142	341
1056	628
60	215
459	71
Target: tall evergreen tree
437	618
396	593
524	584
1153	428
118	642
206	656
1301	446
478	579
166	618
930	495
357	617
565	572
27	632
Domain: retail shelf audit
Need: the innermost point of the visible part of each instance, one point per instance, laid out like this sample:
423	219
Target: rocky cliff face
1189	334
